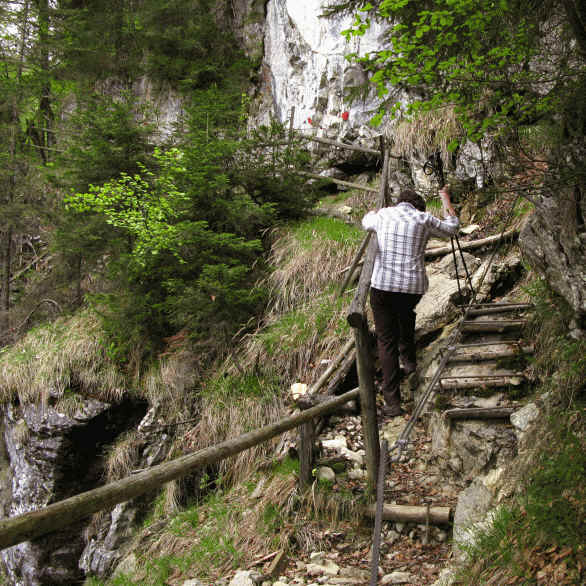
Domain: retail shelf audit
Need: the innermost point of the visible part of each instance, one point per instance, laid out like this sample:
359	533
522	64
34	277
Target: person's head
409	196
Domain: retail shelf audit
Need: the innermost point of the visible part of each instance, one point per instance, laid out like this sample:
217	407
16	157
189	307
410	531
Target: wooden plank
480	413
413	514
58	515
443	250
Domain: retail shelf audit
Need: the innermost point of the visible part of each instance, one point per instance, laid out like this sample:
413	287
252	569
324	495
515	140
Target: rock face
554	242
305	68
48	456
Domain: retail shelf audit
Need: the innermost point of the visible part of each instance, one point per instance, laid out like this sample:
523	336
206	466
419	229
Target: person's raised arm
446	203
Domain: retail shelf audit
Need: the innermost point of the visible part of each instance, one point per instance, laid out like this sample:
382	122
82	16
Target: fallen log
443	250
336	181
58	515
343	145
413	514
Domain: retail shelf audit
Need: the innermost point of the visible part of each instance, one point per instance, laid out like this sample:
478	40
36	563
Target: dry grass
306	320
67	355
122	457
224	415
426	133
308	259
169	384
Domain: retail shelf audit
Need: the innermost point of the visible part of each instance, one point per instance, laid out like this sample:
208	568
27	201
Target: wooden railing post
364	366
364	363
306	453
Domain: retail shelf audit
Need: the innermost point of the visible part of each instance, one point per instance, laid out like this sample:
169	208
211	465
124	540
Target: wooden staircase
491	355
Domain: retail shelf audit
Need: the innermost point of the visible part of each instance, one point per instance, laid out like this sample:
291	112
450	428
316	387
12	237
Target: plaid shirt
402	233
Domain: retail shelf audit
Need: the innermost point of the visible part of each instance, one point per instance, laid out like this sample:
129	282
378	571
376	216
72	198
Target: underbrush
538	538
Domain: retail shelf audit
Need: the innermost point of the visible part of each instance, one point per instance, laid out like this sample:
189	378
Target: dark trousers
394	322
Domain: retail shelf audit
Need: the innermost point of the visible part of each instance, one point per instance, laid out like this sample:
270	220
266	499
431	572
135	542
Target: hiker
399	281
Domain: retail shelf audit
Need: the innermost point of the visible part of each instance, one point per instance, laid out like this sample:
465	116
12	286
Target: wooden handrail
63	513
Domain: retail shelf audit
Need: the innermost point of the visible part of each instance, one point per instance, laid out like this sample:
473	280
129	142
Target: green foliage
491	60
184	44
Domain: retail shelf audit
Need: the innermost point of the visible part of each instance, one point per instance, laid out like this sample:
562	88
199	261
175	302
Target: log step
413	514
470	382
483	352
498	308
480	413
493	325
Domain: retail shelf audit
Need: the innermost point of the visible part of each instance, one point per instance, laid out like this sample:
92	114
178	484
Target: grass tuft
66	356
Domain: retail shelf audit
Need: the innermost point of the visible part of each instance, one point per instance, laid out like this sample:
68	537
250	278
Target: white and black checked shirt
402	233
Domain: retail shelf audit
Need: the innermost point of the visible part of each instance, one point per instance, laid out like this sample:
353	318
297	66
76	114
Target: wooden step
490	308
480	382
480	413
493	325
489	351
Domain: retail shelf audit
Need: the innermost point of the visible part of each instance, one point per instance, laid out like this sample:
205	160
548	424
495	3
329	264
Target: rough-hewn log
443	250
58	515
341	373
337	181
307	401
342	145
454	383
365	368
355	262
305	453
332	366
413	514
480	413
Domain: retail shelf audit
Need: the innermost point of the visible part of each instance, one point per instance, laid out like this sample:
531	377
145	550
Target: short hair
410	196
